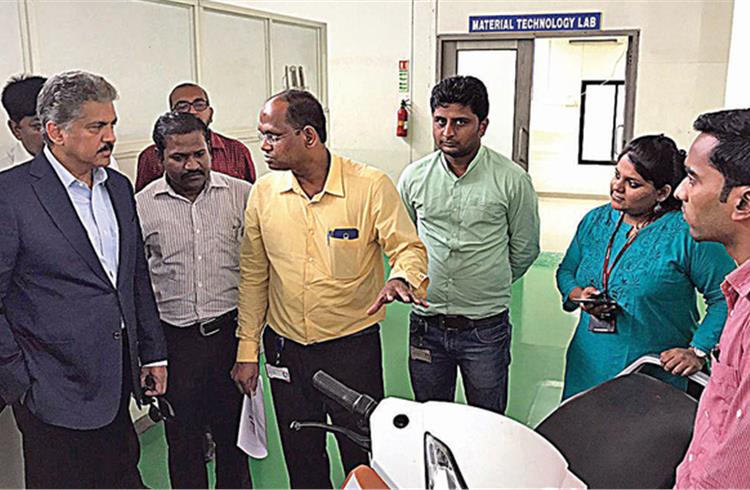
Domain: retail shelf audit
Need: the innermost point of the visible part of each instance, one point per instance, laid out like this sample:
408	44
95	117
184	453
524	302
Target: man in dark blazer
79	328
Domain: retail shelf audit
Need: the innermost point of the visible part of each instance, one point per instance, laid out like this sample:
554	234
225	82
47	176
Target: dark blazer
60	316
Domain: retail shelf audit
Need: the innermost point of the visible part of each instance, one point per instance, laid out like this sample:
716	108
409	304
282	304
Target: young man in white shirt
19	101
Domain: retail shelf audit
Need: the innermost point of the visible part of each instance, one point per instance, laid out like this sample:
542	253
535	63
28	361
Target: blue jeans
481	352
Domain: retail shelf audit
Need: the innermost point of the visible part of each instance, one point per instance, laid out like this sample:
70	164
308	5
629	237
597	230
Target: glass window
602	121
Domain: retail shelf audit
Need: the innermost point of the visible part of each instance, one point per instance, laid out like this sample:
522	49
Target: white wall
11	61
738	75
365	42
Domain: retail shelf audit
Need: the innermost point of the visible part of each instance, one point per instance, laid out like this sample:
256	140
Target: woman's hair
658	160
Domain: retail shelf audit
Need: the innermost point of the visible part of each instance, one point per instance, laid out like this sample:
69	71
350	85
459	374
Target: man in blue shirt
79	328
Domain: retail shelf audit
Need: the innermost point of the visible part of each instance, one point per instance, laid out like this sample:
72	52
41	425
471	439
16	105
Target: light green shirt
481	230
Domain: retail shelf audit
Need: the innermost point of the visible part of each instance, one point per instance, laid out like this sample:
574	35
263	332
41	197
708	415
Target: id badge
601	326
278	372
418	354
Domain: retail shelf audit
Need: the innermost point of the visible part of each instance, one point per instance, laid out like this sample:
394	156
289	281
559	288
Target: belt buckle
202	328
457	322
451	322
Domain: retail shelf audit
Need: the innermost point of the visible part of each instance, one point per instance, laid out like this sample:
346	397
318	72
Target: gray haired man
79	327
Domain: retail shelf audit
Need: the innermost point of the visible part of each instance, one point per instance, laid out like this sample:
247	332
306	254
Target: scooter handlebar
353	401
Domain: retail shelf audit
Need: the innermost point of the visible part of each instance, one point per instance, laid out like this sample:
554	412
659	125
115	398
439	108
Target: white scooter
628	432
443	445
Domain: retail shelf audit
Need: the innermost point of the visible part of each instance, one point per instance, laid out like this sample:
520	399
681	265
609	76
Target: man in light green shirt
477	213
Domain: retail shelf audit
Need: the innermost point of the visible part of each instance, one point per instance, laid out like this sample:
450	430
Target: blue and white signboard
536	22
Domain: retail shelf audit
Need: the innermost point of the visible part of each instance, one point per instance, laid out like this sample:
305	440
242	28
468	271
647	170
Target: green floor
541	332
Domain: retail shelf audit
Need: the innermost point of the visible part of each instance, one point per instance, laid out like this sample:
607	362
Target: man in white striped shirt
192	221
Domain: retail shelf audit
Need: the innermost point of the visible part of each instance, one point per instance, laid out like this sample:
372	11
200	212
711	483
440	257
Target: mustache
191	173
106	147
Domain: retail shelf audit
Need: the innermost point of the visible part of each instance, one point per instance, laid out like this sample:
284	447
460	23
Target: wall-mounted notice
403	76
536	22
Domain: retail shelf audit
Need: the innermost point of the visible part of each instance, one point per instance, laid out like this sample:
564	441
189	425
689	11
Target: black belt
375	328
460	322
208	327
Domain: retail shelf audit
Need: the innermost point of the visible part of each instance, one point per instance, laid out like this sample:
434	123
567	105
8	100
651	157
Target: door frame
448	44
524	48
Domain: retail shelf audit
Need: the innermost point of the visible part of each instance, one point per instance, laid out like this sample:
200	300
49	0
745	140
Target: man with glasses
192	221
228	155
311	271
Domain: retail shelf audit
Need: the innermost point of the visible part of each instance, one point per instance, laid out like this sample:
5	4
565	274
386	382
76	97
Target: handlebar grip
353	401
335	390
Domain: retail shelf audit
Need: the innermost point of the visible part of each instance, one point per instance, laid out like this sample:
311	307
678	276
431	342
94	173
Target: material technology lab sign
536	22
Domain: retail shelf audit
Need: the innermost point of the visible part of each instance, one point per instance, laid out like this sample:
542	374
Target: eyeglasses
159	408
272	139
199	105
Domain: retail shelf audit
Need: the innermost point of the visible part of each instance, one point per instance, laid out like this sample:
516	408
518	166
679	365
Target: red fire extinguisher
402	128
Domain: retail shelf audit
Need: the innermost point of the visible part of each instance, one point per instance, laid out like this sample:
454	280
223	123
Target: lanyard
279	347
607	270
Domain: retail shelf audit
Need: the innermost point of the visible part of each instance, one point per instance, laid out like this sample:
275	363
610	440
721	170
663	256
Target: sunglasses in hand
159	407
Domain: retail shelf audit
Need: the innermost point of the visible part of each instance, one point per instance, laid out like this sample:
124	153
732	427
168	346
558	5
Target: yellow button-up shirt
311	267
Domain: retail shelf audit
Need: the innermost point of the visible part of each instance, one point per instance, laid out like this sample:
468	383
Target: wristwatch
698	353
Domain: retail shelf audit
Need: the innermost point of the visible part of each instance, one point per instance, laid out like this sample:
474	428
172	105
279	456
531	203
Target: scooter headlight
441	469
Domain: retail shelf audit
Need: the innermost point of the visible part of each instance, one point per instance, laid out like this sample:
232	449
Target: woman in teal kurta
655	280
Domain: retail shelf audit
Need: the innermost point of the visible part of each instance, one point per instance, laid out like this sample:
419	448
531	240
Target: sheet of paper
251	436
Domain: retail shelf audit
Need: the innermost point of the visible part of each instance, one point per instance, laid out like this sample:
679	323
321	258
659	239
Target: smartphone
595	301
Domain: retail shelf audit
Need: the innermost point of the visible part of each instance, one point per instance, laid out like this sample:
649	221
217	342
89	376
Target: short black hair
731	155
303	109
657	159
19	96
173	123
183	85
467	91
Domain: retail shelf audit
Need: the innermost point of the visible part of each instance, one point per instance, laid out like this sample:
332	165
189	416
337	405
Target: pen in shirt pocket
343	234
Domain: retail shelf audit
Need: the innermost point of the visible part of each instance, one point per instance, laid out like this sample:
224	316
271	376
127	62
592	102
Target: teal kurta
655	285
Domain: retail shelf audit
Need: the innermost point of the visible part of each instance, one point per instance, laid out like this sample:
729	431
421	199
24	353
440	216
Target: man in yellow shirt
311	270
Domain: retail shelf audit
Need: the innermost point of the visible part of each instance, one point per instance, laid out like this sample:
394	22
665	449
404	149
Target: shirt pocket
722	389
238	230
345	254
483	213
226	227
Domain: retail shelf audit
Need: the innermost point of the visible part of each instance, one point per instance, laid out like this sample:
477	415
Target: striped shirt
718	456
193	248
